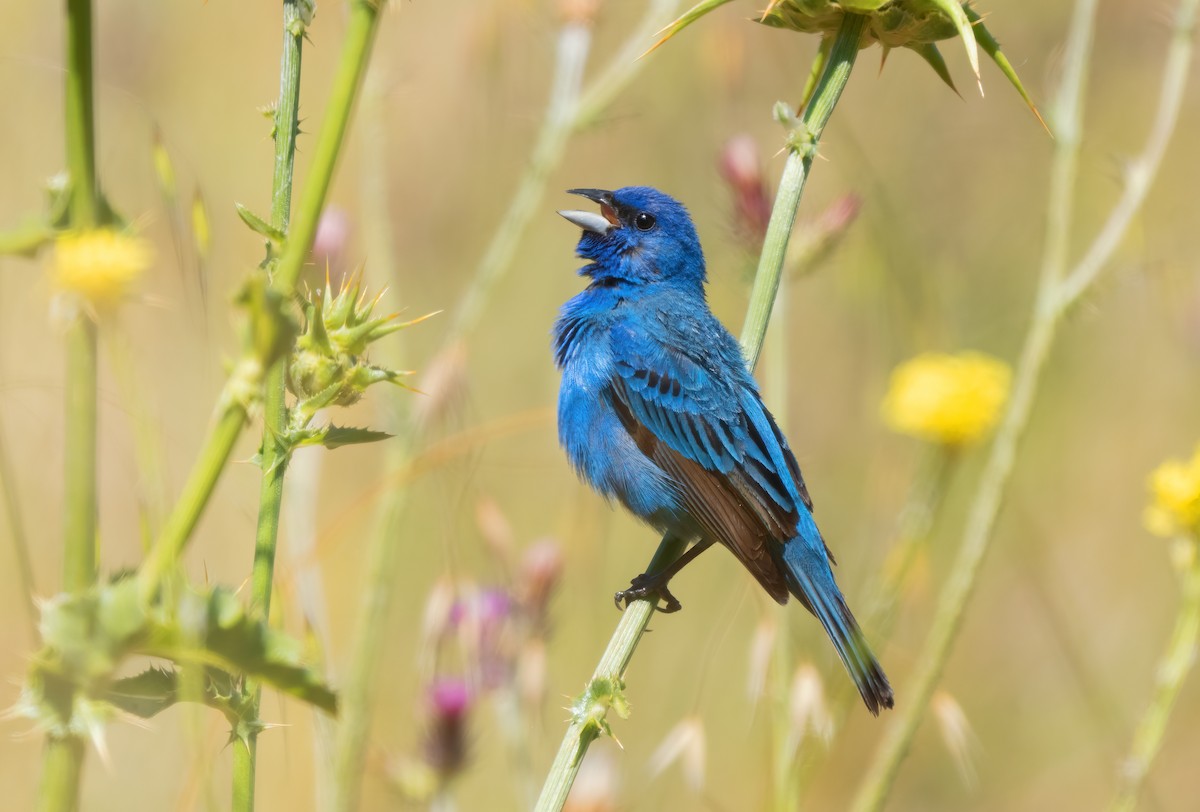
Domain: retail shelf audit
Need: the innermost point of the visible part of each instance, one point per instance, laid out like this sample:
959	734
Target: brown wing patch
719	507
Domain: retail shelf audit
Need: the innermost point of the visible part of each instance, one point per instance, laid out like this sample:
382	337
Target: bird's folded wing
733	468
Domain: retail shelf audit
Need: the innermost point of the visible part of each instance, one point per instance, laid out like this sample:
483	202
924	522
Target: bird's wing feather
710	431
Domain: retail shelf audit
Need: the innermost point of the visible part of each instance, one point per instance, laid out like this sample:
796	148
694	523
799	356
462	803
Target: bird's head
640	237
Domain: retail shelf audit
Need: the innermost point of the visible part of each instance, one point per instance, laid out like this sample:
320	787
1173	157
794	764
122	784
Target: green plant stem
80	117
64	756
20	538
79	564
63	763
350	743
914	530
361	27
79	520
1057	291
273	451
637	616
205	473
915	526
1176	664
613	662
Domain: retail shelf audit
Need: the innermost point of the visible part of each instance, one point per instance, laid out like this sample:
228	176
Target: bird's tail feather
810	579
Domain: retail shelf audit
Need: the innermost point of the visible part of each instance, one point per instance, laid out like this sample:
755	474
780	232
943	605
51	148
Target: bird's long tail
810	579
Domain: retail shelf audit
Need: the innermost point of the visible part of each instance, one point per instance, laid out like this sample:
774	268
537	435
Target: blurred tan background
1057	656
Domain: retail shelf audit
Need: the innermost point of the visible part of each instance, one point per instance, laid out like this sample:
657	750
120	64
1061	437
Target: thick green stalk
80	117
60	777
273	452
637	616
1176	664
79	520
181	521
79	565
1057	291
64	757
361	26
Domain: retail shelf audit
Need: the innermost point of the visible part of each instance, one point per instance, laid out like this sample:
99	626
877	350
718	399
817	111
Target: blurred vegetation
1057	658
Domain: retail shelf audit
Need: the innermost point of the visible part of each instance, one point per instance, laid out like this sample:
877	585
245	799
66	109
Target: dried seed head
956	734
596	785
531	673
436	623
444	383
578	11
807	707
496	531
686	744
761	646
541	570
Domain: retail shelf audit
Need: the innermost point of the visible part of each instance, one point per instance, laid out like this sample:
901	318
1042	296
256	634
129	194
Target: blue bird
658	410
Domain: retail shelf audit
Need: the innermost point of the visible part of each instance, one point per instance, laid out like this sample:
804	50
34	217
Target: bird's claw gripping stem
650	587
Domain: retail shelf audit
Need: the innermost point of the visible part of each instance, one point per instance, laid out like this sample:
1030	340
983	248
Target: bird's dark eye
644	221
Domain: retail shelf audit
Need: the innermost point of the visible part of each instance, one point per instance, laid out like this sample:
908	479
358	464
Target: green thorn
929	52
992	48
955	12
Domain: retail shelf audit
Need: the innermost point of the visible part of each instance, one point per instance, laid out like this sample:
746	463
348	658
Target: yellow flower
100	265
950	399
1175	491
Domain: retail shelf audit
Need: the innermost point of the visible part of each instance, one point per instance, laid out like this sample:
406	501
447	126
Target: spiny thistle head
912	24
949	399
328	367
1174	508
99	265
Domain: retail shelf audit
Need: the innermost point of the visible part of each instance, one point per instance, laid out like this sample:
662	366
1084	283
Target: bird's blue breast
589	430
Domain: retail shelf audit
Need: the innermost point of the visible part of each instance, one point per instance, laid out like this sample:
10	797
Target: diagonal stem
1173	670
636	618
1058	290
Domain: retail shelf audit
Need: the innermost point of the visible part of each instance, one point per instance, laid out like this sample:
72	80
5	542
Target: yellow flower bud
948	399
100	265
1175	498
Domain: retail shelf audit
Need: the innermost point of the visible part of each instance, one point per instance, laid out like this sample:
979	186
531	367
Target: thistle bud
333	233
741	167
912	24
541	570
329	367
449	703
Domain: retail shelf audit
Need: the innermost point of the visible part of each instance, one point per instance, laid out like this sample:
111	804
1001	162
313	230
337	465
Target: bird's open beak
600	223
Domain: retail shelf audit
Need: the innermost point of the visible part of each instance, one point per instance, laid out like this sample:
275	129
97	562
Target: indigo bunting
658	410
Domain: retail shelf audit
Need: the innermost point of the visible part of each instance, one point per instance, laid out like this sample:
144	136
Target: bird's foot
648	587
